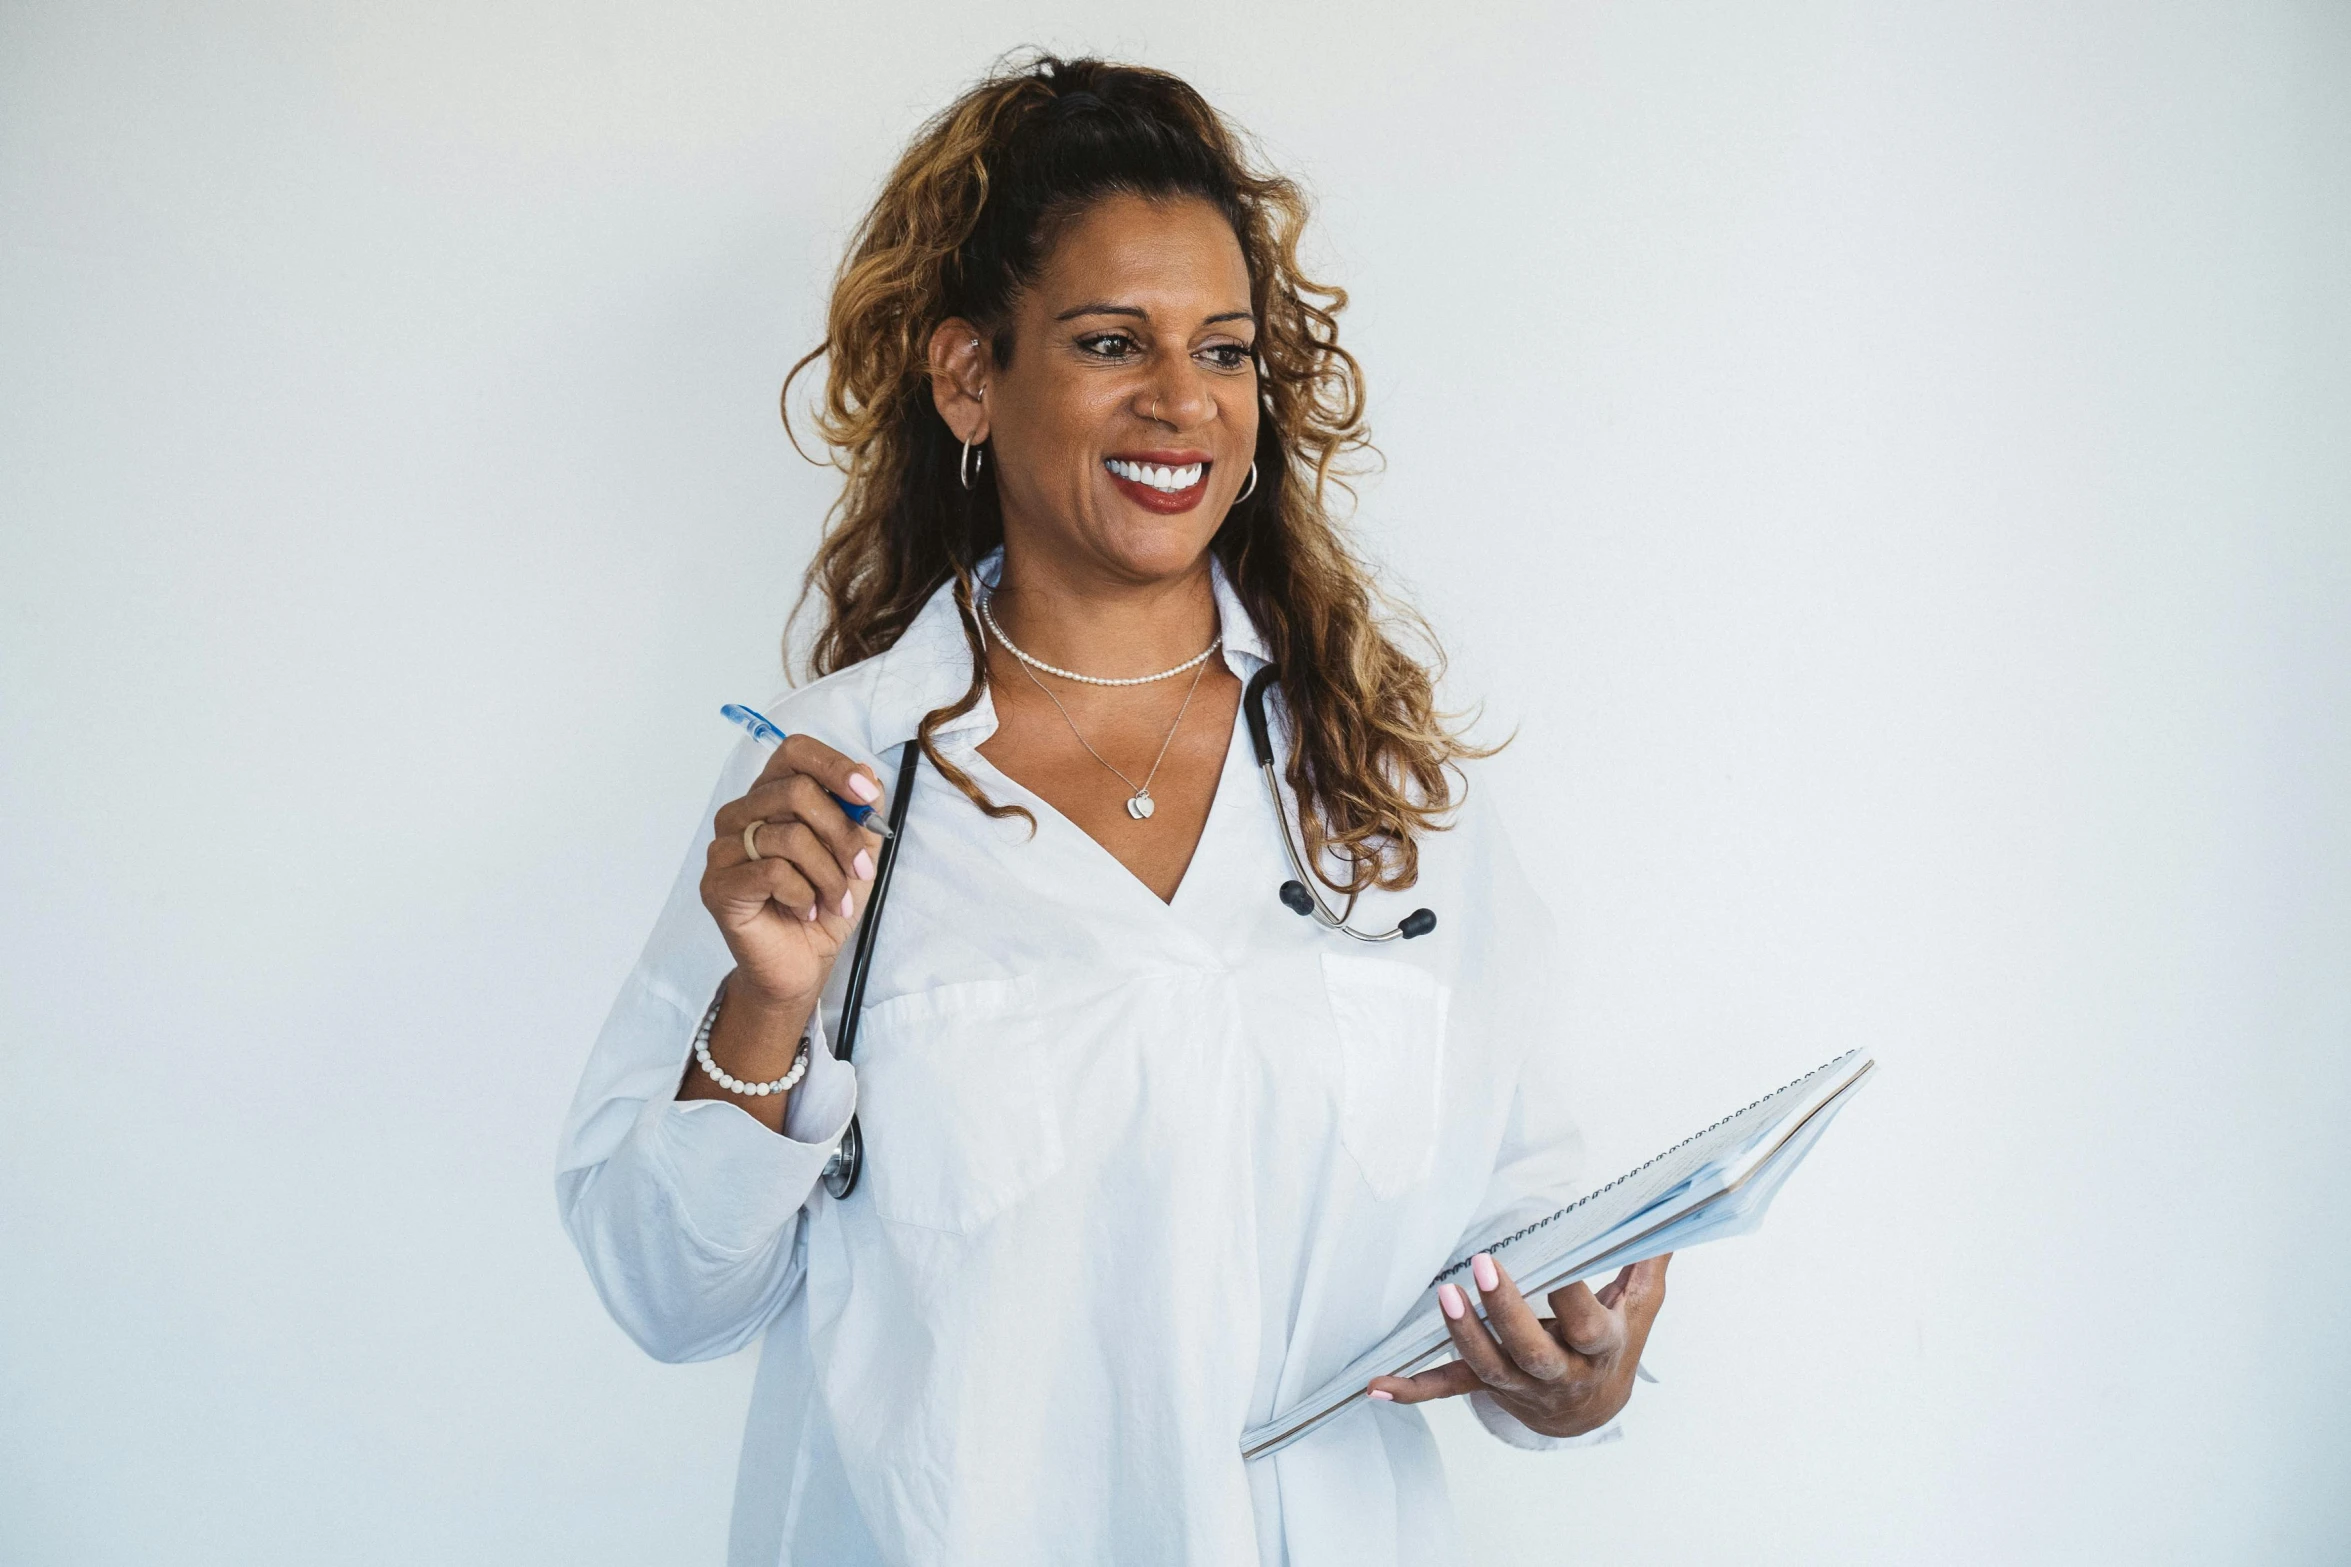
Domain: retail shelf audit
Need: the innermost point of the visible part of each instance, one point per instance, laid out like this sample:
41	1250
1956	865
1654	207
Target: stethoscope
1299	895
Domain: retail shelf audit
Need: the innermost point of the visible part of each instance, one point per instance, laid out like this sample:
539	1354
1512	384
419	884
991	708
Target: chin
1148	547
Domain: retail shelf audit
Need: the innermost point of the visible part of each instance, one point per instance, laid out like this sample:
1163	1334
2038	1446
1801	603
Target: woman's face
1124	425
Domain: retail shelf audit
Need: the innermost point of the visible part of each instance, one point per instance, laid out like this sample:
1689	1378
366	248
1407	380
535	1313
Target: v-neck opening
1046	808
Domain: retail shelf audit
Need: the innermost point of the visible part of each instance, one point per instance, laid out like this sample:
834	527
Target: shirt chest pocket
952	1098
1391	1026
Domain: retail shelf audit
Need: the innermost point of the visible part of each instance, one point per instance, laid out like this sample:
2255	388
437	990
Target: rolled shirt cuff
738	1183
1512	1430
820	1106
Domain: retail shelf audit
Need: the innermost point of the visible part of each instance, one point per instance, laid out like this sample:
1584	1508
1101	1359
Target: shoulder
834	709
874	706
865	712
1474	862
1469	834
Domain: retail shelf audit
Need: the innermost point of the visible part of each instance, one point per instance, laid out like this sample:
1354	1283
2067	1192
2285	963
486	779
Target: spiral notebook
1714	1184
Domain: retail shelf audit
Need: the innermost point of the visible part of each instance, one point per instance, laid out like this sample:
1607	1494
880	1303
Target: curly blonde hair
961	226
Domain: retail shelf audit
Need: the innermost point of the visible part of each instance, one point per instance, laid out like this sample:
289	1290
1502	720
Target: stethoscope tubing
1302	895
847	1165
842	1170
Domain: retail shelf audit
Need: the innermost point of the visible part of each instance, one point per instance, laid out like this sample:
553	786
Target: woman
1147	1156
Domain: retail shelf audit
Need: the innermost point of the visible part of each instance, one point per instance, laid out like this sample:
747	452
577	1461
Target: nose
1177	394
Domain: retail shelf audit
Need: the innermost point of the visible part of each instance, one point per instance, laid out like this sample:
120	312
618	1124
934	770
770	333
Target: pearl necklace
989	615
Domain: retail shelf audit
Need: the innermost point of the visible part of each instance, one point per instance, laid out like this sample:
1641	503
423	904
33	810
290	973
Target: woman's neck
1093	626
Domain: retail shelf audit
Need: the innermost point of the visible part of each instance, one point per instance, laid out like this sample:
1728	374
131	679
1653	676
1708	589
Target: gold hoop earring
974	459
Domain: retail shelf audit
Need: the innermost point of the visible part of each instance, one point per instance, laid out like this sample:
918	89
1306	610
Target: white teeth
1159	478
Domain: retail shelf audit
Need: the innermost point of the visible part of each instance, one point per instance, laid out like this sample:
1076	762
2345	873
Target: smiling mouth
1164	489
1167	481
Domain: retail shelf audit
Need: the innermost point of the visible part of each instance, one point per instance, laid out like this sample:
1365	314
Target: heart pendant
1140	806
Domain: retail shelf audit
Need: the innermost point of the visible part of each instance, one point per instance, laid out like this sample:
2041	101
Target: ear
960	366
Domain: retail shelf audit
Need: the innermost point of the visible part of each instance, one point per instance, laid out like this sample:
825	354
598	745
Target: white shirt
1137	1174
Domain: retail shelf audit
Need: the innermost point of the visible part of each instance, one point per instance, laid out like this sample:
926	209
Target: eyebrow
1099	308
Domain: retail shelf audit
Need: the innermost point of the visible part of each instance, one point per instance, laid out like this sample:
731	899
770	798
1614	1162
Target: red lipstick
1159	465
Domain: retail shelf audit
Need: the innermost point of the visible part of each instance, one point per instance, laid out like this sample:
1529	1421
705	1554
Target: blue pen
767	734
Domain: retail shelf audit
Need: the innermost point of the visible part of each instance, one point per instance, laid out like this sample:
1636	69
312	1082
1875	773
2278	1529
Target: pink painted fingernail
1449	1297
864	788
810	916
848	909
862	866
1482	1269
1383	1395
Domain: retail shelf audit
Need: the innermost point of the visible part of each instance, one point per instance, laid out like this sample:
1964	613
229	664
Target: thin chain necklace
1140	805
989	615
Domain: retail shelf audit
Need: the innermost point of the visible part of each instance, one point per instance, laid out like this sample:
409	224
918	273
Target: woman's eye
1109	345
1229	356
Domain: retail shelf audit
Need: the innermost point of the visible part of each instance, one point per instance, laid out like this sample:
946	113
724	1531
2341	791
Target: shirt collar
929	667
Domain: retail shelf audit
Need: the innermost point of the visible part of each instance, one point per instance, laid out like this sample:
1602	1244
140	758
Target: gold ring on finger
751	838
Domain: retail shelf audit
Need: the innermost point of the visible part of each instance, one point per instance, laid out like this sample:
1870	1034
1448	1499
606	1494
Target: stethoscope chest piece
847	1163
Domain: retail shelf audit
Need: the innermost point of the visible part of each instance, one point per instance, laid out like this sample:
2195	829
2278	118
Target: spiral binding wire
1602	1191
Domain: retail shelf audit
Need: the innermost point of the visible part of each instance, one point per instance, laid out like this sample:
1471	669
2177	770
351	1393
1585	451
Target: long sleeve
1539	1162
1535	1172
687	1212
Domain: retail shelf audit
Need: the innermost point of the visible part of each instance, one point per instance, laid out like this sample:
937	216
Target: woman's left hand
1561	1375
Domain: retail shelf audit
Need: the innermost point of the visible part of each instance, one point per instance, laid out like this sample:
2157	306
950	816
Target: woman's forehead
1174	256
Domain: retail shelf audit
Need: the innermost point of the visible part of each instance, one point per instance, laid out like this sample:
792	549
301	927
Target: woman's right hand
787	914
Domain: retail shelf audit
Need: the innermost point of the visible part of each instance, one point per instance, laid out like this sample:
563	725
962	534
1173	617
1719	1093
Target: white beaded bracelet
735	1085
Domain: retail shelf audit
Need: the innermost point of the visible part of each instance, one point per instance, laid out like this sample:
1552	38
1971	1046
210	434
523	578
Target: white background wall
1888	461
